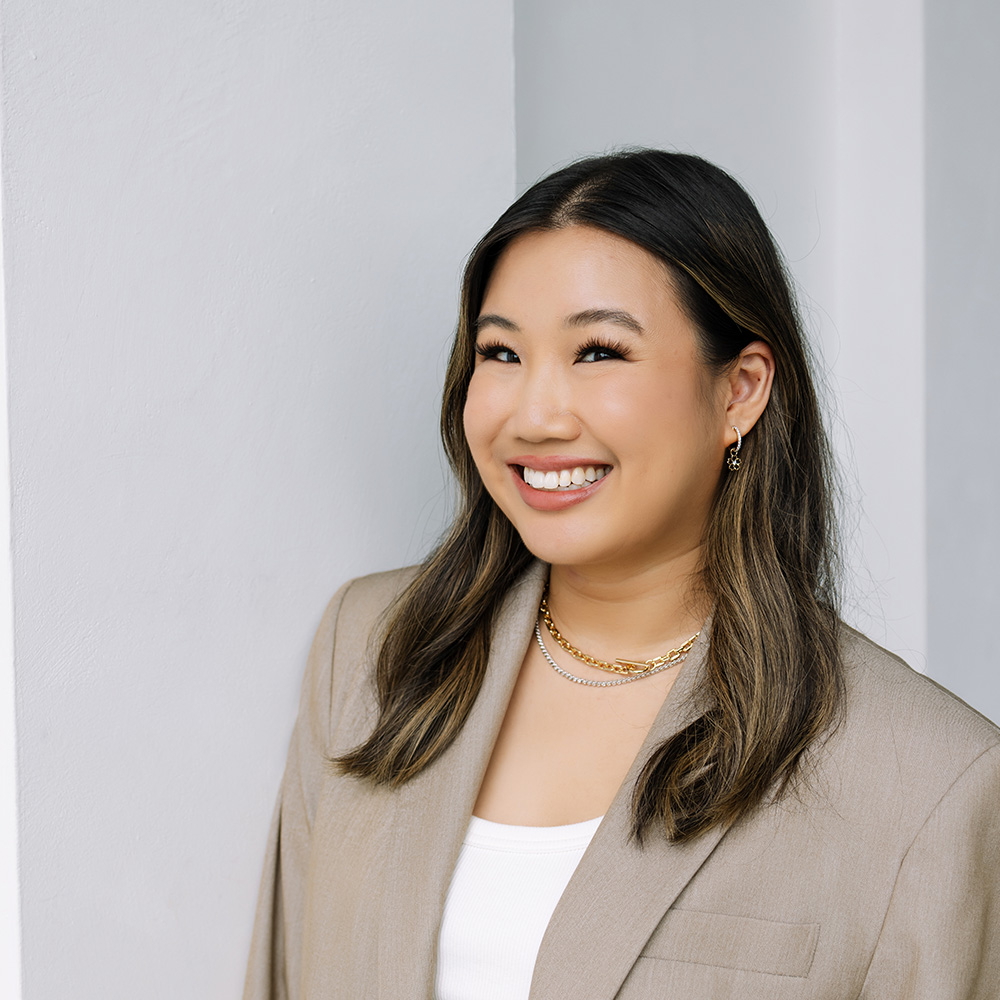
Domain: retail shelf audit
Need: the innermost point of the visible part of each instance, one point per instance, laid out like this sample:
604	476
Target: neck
637	614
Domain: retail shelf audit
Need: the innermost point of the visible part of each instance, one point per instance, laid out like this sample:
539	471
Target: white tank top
505	886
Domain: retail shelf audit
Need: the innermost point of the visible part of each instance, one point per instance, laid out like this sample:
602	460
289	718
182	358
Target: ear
749	388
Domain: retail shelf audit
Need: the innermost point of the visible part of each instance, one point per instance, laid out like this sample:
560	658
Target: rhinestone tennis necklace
681	656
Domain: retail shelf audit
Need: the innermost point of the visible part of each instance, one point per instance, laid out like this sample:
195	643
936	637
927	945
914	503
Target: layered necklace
631	670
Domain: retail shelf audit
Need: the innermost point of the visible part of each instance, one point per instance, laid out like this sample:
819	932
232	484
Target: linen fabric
878	879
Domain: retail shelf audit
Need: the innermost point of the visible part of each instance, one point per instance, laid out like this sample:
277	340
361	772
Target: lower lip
554	499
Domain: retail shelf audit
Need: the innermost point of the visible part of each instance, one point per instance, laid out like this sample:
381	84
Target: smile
564	480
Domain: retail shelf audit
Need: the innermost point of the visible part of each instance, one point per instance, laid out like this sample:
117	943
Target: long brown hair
773	679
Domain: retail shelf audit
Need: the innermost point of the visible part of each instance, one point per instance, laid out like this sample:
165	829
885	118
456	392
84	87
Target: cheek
668	424
655	407
481	417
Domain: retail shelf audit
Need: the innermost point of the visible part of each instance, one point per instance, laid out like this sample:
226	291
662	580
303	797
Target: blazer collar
619	891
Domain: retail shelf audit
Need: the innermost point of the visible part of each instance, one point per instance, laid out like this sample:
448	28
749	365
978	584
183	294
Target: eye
496	351
595	350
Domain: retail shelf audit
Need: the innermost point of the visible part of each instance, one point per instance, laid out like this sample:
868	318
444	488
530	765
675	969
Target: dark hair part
773	680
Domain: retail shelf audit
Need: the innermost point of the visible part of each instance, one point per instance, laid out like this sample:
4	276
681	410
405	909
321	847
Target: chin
557	550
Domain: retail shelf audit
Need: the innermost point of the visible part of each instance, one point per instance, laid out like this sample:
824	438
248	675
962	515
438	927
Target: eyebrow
492	319
589	316
616	316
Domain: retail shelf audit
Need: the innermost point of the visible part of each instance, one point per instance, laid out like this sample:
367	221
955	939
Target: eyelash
614	347
491	349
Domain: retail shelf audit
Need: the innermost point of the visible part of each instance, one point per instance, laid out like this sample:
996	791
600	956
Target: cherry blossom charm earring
734	453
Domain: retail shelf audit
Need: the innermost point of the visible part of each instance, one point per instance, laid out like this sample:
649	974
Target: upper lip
554	463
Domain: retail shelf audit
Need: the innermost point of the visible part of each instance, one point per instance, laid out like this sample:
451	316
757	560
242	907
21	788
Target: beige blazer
880	879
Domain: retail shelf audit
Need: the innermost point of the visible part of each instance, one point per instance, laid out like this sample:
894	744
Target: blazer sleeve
273	970
941	935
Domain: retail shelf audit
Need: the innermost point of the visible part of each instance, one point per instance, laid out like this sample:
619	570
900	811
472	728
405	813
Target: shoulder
903	741
361	602
355	611
883	691
341	658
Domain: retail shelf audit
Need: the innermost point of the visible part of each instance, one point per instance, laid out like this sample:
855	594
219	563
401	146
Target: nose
545	408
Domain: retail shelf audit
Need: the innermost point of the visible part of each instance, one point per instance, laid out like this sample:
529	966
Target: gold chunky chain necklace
629	668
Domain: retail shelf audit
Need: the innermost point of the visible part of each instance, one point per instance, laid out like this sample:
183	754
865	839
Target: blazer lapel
431	813
620	892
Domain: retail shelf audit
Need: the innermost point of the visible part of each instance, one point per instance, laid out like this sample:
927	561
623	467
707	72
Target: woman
611	739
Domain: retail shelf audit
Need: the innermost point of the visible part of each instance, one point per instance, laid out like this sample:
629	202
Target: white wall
877	311
10	888
821	119
963	346
233	233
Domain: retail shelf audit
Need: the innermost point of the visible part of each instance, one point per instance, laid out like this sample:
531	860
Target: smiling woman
598	354
611	738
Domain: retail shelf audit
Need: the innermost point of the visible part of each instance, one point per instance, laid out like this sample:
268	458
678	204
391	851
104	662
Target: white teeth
565	479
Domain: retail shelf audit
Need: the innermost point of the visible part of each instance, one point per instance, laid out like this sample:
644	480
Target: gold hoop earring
734	453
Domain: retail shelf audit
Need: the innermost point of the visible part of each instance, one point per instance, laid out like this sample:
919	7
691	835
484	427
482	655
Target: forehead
555	273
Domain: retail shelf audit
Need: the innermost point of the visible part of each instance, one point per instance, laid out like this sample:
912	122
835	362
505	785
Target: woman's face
588	376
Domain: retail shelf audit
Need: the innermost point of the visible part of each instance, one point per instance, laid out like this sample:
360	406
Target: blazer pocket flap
731	942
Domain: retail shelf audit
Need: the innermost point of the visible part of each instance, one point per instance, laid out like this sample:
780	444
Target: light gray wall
963	346
10	894
232	239
821	118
